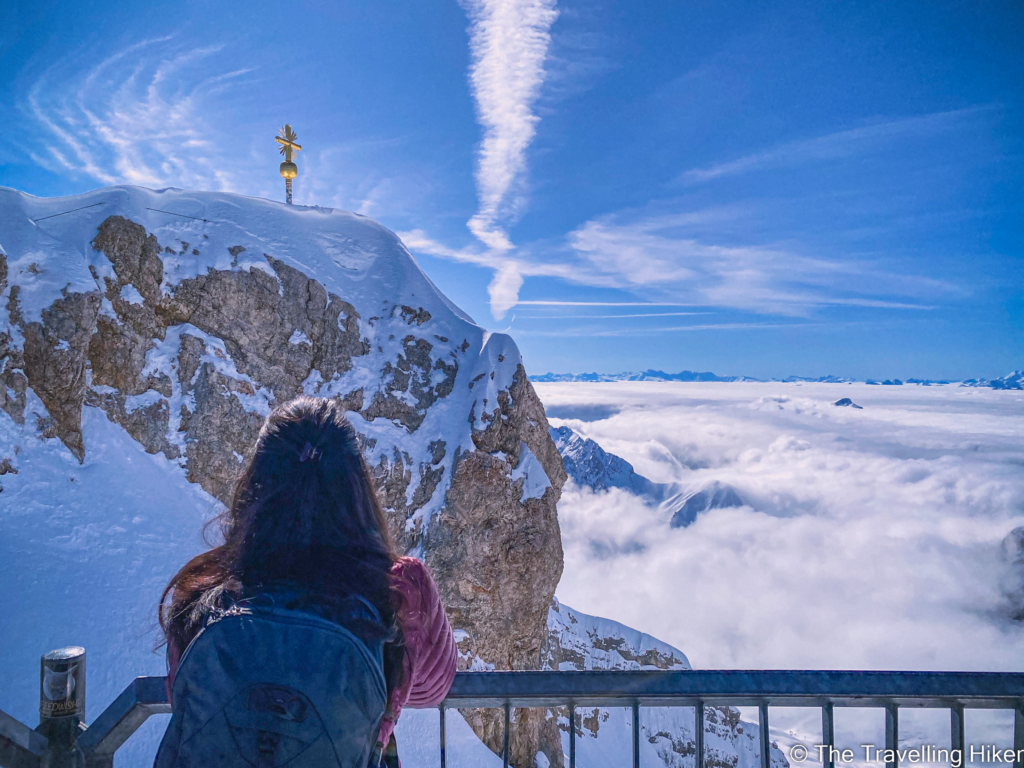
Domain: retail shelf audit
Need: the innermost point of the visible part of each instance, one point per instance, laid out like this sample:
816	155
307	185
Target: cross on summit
286	138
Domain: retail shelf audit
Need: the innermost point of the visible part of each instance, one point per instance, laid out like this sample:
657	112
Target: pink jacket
430	653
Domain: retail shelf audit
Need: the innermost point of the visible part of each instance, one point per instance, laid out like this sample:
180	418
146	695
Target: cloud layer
872	539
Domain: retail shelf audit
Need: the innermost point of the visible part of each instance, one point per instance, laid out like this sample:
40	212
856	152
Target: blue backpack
264	685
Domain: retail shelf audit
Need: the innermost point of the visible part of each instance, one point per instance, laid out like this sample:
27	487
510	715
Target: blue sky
750	188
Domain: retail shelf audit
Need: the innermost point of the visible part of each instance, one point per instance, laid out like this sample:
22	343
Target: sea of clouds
871	539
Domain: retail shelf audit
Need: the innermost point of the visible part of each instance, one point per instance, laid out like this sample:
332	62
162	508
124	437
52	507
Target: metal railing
64	741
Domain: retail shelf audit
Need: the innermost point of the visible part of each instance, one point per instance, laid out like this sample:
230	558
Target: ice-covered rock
686	506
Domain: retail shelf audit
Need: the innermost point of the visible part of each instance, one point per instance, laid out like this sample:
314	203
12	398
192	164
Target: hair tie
309	453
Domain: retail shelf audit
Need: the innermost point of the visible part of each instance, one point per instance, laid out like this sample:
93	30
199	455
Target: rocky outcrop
186	336
54	359
13	381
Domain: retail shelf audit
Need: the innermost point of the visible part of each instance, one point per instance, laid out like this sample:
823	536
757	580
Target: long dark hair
304	516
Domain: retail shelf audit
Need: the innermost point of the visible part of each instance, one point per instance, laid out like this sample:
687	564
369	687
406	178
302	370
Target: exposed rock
55	356
148	423
411	378
219	432
410	315
520	419
13	381
846	402
134	254
496	556
256	315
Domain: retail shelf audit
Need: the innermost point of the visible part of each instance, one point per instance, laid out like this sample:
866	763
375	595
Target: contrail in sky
509	42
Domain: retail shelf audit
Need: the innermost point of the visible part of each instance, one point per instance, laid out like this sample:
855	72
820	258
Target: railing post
828	734
1018	734
572	735
766	742
444	757
892	733
636	734
508	723
957	739
20	746
698	735
61	704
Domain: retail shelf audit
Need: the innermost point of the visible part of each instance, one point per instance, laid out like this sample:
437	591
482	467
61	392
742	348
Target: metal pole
504	751
61	704
956	730
892	733
828	734
1018	734
288	189
444	758
766	743
572	735
698	734
636	734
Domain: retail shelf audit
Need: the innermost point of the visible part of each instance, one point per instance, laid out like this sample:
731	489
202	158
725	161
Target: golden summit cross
286	138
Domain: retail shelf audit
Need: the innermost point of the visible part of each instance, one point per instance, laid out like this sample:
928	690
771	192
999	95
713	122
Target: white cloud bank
872	539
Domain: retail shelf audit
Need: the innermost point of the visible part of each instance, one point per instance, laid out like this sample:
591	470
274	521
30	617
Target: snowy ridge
587	463
578	641
603	736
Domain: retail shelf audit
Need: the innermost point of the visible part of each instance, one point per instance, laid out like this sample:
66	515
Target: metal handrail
20	747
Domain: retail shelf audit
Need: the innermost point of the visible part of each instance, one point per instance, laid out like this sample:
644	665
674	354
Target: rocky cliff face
185	332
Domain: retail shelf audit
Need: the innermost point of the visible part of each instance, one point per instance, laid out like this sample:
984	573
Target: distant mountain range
1013	380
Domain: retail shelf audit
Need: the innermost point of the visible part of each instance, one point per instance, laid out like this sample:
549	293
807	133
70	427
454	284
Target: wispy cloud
555	303
136	117
672	260
602	331
832	145
670	256
509	272
615	317
509	42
